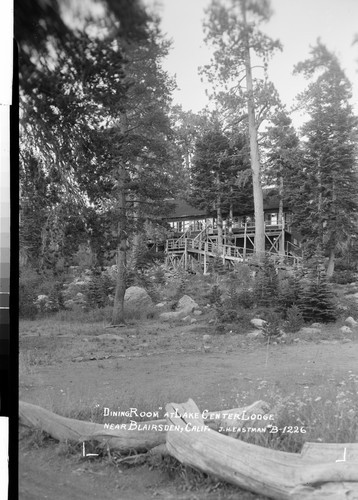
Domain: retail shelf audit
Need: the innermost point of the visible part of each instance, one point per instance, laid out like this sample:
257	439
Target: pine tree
95	105
266	284
317	300
218	164
233	29
323	191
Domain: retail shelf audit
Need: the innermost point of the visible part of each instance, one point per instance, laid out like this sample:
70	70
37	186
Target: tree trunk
330	266
231	217
219	224
137	236
254	153
121	285
280	216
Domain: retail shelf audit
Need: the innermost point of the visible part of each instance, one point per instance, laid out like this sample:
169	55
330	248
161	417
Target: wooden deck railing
227	252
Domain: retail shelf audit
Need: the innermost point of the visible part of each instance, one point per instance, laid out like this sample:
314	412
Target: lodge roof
181	209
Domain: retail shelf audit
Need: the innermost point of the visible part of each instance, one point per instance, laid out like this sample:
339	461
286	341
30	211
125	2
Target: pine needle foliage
266	284
317	300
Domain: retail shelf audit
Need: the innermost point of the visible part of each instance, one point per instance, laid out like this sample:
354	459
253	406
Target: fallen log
139	436
254	415
69	429
317	473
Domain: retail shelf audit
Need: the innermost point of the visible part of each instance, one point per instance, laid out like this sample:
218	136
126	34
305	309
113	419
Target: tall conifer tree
324	189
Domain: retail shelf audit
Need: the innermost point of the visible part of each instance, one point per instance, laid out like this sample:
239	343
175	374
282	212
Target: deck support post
205	255
244	257
185	254
282	239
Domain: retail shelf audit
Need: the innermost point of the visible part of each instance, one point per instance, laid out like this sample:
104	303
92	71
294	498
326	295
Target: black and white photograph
188	249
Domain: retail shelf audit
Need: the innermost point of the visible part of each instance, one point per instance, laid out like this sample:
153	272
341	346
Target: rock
346	341
198	313
137	298
193	320
187	319
332	342
258	323
207	348
351	321
187	303
309	330
255	334
170	316
296	340
42	297
345	329
161	304
316	325
206	337
109	336
211	321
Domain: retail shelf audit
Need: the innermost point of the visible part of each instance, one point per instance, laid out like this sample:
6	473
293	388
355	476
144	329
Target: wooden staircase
179	251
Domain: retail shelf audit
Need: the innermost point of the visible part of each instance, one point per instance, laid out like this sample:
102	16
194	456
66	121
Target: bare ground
151	365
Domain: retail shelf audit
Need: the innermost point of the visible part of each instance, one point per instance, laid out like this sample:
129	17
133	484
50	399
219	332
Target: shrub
38	293
224	314
98	289
294	319
316	301
216	266
266	284
29	283
272	326
246	299
232	295
343	277
290	290
215	295
243	274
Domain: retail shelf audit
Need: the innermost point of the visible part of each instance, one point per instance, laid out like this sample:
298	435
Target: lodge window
271	219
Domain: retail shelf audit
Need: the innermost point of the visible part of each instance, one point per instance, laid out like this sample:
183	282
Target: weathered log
277	474
69	429
254	415
138	436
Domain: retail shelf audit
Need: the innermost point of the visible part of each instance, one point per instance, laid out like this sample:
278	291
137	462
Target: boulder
206	337
255	334
187	303
346	341
137	298
351	321
316	325
310	330
345	329
198	313
258	323
161	304
170	316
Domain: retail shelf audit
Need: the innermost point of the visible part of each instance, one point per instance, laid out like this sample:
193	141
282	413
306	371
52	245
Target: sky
296	23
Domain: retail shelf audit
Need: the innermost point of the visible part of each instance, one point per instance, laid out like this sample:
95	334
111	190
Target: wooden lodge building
194	235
